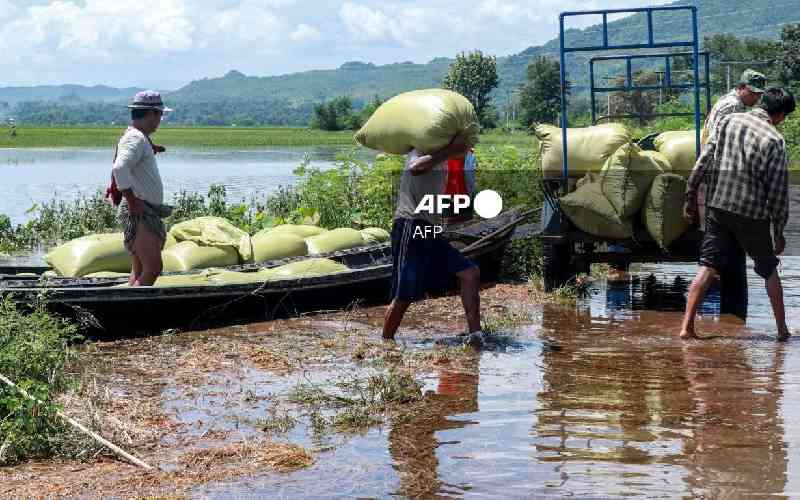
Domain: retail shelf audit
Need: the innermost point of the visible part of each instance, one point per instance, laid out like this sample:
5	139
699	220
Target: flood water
37	175
598	399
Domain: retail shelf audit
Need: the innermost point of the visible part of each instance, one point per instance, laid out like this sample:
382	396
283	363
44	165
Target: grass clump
282	457
357	402
498	322
278	422
577	288
34	354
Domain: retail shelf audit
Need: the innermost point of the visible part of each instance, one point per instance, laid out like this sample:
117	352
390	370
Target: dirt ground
136	393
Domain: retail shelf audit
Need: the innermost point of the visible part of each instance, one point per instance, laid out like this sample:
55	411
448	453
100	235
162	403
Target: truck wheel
555	266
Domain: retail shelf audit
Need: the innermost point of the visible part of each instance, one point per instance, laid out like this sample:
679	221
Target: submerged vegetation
355	402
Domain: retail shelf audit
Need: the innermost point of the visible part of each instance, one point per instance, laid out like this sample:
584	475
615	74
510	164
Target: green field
202	137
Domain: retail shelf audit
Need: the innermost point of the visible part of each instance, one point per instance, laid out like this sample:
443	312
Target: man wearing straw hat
136	186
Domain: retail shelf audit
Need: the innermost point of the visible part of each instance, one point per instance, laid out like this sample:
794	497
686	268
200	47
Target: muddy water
598	399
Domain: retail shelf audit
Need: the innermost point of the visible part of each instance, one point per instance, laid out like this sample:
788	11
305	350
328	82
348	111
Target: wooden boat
102	307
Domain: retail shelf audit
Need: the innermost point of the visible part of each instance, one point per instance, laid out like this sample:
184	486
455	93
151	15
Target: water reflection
412	440
628	409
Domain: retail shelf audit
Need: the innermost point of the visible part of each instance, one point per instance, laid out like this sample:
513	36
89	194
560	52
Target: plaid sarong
151	217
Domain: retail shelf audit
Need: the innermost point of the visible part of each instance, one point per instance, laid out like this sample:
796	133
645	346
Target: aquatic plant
496	322
359	401
278	422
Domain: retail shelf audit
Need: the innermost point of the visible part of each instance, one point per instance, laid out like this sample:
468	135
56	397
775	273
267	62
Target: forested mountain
288	99
64	93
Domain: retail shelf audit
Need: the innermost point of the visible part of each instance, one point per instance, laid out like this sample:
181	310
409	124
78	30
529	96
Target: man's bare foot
784	335
688	334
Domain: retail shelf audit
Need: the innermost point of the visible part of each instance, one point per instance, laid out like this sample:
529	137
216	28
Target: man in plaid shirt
746	170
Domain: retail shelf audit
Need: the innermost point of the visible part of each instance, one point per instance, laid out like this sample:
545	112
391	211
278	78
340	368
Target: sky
164	44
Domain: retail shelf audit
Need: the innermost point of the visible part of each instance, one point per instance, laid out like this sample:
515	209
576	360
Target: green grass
206	137
202	137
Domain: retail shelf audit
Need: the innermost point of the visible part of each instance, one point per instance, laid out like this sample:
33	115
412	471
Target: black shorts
421	261
725	230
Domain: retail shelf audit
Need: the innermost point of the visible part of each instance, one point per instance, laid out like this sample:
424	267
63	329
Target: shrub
34	351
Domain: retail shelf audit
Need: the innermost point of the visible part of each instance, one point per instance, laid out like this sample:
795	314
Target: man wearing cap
746	168
746	94
138	180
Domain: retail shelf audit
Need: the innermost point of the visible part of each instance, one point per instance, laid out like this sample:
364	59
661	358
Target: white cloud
249	21
501	9
305	34
117	42
365	23
7	10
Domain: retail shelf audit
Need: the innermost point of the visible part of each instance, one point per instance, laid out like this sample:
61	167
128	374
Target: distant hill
359	80
292	95
362	80
65	93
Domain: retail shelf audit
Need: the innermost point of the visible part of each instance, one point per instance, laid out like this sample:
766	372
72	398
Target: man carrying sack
421	259
136	186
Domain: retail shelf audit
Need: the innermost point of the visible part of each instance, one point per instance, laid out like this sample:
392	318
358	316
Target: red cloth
112	193
456	183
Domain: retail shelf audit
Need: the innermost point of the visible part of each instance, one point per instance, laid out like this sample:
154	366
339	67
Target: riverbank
204	137
215	407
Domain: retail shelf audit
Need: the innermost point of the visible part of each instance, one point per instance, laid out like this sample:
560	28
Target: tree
370	108
641	102
540	95
790	54
723	47
474	76
335	115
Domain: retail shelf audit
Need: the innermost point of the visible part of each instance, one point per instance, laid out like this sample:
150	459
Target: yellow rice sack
659	159
188	255
307	268
214	232
588	148
334	240
626	177
225	277
90	254
426	120
591	212
587	179
170	241
679	149
301	230
271	245
662	213
375	235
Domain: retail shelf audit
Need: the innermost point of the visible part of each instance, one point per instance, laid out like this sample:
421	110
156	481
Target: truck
566	250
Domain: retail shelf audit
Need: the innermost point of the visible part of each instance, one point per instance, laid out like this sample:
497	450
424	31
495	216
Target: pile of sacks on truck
212	243
618	184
